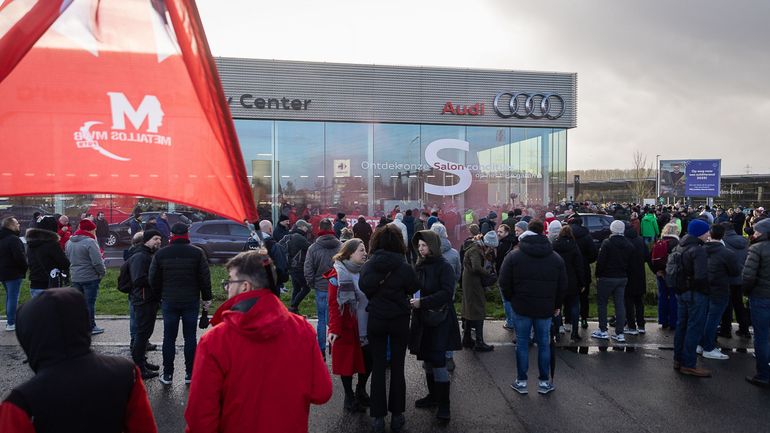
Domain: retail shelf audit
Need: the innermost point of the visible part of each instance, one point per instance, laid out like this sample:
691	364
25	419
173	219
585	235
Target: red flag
116	96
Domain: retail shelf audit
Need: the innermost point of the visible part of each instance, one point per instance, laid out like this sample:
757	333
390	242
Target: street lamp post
657	177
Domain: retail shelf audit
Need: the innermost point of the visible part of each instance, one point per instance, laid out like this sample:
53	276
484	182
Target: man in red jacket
241	381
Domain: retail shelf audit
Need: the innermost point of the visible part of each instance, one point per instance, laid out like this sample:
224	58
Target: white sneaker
562	330
699	350
620	338
715	354
602	335
10	327
631	331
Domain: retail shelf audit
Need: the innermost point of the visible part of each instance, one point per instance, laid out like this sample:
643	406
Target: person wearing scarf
347	324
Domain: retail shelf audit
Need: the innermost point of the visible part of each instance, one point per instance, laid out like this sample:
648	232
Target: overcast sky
683	79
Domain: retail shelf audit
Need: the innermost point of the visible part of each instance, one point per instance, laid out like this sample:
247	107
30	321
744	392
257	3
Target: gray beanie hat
490	239
522	225
554	227
762	226
617	227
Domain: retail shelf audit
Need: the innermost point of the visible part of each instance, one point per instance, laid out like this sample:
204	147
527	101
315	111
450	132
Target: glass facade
322	168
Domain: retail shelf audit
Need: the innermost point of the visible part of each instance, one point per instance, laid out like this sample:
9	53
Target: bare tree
640	186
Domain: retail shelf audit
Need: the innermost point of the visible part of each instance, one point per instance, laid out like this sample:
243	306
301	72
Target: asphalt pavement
600	387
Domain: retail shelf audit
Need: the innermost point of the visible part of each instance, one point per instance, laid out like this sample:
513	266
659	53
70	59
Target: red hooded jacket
241	380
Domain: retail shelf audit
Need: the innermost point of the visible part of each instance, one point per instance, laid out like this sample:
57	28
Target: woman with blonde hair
347	324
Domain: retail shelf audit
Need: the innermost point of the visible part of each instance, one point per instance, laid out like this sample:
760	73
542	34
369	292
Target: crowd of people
380	293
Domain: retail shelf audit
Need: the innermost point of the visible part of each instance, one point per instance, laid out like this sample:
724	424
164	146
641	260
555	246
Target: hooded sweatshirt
74	389
13	263
44	255
319	260
86	263
614	258
534	278
740	247
452	256
240	382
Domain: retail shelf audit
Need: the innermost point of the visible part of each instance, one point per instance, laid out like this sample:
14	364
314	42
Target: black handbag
434	317
489	278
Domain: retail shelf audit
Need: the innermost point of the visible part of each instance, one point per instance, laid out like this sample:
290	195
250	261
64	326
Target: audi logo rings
530	107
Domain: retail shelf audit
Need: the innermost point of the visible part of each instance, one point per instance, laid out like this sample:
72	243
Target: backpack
293	260
278	253
676	275
124	279
659	255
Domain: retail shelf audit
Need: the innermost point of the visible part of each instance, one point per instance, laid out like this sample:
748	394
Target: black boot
429	400
442	395
467	339
361	395
480	345
352	404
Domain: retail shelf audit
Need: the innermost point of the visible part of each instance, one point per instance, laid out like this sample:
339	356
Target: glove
203	323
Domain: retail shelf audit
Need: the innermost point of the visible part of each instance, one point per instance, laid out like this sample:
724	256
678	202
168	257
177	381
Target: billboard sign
690	178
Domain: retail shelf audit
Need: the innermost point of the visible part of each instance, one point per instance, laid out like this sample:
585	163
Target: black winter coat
756	271
614	259
363	231
388	282
740	247
297	243
180	273
139	267
587	249
637	276
695	264
504	247
13	261
723	266
436	282
43	255
573	260
534	278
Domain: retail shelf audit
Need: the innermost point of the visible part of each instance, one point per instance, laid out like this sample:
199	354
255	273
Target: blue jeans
542	337
689	330
34	293
89	289
666	304
760	319
322	309
12	289
172	312
508	311
716	308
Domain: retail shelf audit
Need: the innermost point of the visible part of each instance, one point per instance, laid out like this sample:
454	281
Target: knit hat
302	223
490	239
762	226
492	215
549	214
148	234
283	218
619	227
697	227
87	225
522	225
474	229
179	229
554	227
340	215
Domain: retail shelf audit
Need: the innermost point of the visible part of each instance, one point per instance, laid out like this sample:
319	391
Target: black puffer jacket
436	282
695	264
180	273
740	247
43	255
614	259
573	260
756	271
533	278
297	243
722	267
637	276
74	389
388	282
13	261
587	249
139	265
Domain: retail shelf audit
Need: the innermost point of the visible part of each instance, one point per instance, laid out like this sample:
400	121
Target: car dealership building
361	138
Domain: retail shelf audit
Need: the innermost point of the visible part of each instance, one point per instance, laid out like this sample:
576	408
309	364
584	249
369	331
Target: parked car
597	224
23	214
219	239
119	232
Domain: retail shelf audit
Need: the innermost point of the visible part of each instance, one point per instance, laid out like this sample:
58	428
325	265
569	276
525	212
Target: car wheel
112	240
